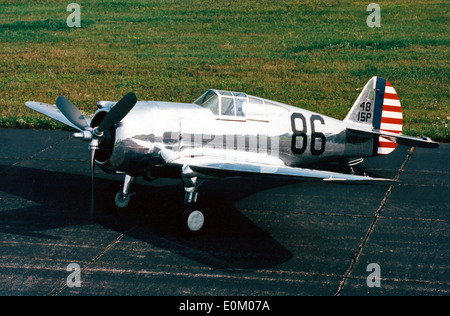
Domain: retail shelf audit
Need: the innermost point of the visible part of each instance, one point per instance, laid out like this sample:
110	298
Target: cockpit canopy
223	102
239	104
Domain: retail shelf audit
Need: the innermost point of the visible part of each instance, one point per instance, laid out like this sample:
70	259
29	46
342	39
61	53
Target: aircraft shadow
41	200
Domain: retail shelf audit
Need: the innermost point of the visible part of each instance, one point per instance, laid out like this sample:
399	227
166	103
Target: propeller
93	135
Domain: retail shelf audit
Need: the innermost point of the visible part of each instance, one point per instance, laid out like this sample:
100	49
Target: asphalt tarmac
265	237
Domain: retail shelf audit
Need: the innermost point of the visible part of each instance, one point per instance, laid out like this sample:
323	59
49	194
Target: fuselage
265	132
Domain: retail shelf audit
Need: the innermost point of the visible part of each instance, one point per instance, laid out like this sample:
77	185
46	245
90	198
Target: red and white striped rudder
391	119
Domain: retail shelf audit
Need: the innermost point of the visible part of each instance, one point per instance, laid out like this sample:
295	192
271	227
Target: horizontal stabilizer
398	138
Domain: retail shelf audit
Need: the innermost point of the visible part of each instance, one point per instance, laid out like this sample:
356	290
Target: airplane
227	133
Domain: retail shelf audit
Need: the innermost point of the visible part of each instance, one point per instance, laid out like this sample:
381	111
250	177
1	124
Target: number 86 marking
303	134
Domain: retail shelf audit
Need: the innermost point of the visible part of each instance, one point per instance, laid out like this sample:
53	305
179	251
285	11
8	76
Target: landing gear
193	216
122	199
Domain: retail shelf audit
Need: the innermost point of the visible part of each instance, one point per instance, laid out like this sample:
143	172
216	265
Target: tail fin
379	108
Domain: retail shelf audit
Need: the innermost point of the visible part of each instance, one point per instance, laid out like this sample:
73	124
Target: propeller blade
72	113
118	112
92	180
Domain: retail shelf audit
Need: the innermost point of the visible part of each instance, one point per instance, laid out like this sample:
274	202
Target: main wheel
121	200
192	219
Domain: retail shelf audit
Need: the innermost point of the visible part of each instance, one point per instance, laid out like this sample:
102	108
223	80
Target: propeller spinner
87	133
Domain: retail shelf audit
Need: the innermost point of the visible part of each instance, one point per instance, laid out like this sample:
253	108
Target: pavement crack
372	225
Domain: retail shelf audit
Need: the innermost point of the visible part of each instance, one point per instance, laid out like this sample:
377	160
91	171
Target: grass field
311	54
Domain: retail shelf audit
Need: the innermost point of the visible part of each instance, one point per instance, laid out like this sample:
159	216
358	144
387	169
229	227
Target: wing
53	112
224	168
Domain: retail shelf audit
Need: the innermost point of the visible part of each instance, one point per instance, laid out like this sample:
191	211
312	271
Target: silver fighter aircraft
225	133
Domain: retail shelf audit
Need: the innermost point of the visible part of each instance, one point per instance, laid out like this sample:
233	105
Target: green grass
311	54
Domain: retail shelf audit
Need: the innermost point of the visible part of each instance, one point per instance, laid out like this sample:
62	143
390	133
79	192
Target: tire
192	219
120	201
